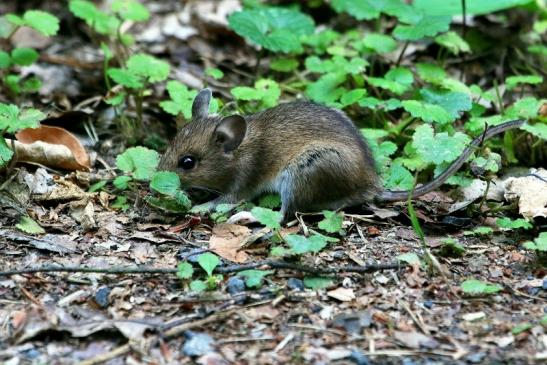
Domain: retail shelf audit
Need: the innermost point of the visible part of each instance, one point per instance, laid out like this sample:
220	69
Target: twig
272	264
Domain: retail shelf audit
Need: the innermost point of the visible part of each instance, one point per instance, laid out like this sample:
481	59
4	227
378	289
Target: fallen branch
265	264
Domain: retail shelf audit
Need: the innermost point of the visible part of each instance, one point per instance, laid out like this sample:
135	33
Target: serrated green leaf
353	96
332	223
42	21
267	217
326	89
5	152
208	262
12	119
170	204
426	111
397	80
267	91
24	56
270	201
473	286
130	10
301	245
426	26
101	22
430	72
215	73
149	67
29	225
165	182
479	231
379	43
185	270
254	278
198	286
120	203
139	161
453	102
276	29
435	7
125	78
97	186
398	177
438	148
526	108
538	129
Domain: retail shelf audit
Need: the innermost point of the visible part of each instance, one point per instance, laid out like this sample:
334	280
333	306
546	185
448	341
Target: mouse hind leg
321	178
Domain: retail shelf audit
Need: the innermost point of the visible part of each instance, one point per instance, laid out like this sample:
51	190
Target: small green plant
42	22
12	120
479	231
477	287
208	262
451	248
265	94
332	223
181	99
512	224
539	245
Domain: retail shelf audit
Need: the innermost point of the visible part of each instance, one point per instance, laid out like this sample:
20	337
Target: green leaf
380	43
181	99
453	102
130	10
125	78
208	262
301	245
440	147
42	22
520	328
266	91
321	40
120	203
267	217
510	224
139	161
24	56
97	186
122	182
15	20
539	129
5	152
5	60
148	67
397	80
426	26
479	231
254	278
270	201
165	182
185	270
426	111
361	10
198	286
435	7
453	42
410	258
539	244
284	64
317	282
512	81
430	73
101	22
526	108
215	73
473	286
353	96
276	29
170	204
398	178
326	89
332	223
490	164
29	225
12	119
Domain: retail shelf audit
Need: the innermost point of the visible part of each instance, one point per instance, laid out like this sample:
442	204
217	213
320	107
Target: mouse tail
401	195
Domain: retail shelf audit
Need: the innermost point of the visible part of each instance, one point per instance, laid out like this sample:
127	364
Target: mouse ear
230	132
200	107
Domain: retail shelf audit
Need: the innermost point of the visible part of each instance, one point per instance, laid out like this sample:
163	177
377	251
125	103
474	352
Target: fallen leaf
227	239
530	191
52	146
415	340
473	316
342	294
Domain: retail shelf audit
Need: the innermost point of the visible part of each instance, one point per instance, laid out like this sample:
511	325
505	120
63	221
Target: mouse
312	155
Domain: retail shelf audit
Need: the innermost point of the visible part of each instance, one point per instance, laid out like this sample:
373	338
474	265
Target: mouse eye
187	162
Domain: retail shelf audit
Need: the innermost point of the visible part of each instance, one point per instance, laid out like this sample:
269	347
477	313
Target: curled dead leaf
51	146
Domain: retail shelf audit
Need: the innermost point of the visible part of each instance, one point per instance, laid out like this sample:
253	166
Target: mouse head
204	152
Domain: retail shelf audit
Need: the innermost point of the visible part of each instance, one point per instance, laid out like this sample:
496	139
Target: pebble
197	344
295	284
101	296
235	285
359	358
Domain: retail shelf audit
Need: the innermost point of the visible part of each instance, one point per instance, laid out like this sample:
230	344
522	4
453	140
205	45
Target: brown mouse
313	156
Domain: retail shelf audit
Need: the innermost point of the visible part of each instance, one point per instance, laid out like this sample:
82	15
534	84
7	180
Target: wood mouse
313	156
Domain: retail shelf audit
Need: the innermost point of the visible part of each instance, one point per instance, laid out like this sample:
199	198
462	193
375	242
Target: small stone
235	285
407	361
476	357
197	344
428	304
359	358
101	296
544	285
295	284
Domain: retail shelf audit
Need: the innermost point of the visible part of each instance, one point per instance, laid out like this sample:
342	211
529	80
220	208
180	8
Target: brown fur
313	156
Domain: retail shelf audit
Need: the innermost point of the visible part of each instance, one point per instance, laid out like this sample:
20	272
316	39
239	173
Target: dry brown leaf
415	340
342	294
531	192
52	146
227	239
